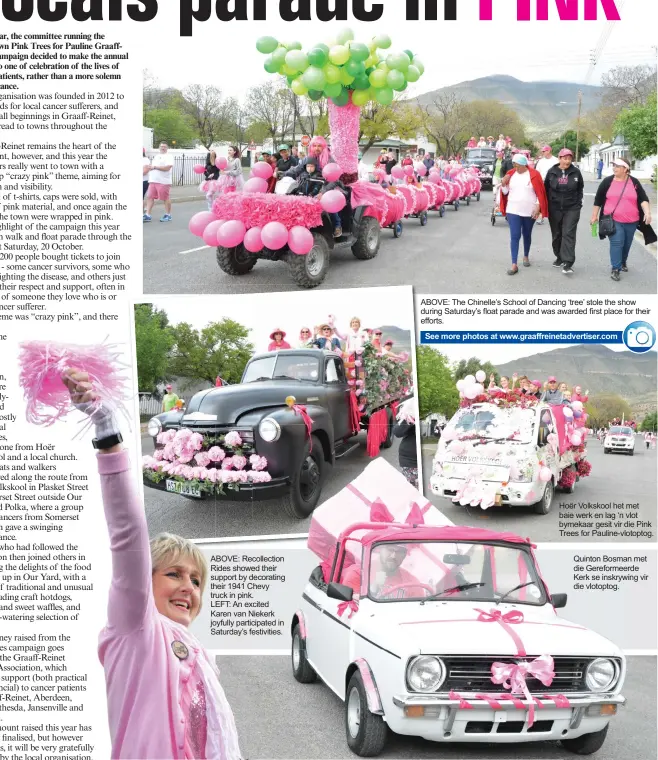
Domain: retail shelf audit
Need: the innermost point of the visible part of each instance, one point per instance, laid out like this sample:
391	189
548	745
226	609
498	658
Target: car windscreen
620	431
282	366
481	153
454	571
492	423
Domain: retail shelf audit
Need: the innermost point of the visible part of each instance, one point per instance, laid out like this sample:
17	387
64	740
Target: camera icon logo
639	337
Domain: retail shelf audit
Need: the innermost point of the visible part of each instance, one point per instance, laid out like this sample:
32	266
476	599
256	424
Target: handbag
607	226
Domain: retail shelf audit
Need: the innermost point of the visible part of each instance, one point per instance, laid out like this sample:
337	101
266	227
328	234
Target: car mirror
339	591
559	600
456	559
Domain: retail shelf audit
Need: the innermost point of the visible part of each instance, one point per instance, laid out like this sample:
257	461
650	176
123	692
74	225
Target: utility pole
580	103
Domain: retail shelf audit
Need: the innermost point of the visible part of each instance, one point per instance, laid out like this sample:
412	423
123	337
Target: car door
338	392
548	454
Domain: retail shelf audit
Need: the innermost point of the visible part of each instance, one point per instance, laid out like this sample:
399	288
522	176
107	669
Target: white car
494	455
619	438
439	614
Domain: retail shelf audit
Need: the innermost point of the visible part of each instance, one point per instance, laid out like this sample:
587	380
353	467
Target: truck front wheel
306	482
543	506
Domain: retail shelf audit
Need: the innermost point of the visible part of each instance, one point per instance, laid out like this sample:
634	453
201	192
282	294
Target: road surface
614	477
279	718
461	253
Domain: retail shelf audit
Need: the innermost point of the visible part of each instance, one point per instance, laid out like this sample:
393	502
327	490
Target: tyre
235	261
543	506
309	271
631	452
368	239
442	212
468	200
456	205
397	229
477	197
493	220
389	431
606	451
423	219
586	744
301	670
366	733
306	482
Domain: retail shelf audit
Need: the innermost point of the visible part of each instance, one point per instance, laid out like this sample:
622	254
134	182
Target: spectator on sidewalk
599	168
546	161
160	183
146	168
169	399
564	191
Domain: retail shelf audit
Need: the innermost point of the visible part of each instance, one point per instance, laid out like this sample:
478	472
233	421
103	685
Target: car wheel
543	506
606	451
235	261
632	452
309	270
442	212
477	197
366	733
468	200
306	483
389	431
586	744
493	220
368	239
423	219
301	670
456	205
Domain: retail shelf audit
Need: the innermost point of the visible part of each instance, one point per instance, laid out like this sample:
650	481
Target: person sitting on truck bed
552	395
326	339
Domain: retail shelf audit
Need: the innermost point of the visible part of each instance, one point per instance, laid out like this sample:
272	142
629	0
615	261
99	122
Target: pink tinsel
383	206
257	209
344	123
42	365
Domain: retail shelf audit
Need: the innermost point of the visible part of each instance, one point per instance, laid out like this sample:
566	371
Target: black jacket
211	172
284	165
564	196
506	165
407	451
642	197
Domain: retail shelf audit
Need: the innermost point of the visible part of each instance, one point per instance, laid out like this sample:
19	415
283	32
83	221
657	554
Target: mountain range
545	108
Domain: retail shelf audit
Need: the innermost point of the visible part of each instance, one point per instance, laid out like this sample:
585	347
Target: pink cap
565	152
546	147
552	379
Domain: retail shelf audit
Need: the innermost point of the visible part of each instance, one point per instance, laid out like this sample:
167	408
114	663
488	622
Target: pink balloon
199	169
408	170
211	231
457	447
333	201
300	240
231	234
576	440
274	235
420	169
262	169
222	162
200	221
397	171
255	185
435	178
252	240
545	474
332	172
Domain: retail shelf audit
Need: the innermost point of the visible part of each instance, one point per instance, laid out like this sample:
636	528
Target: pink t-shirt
627	209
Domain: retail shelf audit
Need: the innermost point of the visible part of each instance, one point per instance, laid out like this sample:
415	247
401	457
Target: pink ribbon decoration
514	617
301	411
463	704
494	701
352	606
512	676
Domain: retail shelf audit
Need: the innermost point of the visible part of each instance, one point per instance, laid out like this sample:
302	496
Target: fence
149	405
183	171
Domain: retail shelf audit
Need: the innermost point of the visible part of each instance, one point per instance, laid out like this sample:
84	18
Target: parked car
619	438
439	612
259	409
484	159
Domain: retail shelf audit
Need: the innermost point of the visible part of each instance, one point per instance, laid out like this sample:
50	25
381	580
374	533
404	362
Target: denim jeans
620	243
335	218
520	226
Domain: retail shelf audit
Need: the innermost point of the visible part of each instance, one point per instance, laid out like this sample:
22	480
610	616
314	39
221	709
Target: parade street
208	518
459	253
614	478
306	721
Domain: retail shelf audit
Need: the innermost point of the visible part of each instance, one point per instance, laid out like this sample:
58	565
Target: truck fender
372	692
298	619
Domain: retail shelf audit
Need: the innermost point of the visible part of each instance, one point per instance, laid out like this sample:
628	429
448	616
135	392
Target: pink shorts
158	192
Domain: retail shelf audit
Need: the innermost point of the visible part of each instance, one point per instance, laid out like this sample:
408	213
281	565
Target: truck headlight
269	430
154	427
601	674
425	673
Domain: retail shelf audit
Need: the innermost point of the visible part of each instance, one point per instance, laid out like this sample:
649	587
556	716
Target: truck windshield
620	431
283	367
496	424
487	153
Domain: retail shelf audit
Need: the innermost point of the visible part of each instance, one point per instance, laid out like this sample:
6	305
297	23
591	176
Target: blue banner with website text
511	336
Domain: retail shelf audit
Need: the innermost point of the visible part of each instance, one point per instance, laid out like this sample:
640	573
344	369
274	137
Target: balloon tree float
254	224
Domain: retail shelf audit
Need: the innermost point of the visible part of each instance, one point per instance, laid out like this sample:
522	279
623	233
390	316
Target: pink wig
325	157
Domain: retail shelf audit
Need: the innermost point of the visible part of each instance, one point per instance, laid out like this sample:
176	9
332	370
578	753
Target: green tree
220	348
171	126
638	126
436	387
380	122
471	366
154	339
568	140
650	422
603	407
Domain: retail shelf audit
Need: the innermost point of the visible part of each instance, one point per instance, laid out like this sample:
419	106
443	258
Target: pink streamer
257	209
344	123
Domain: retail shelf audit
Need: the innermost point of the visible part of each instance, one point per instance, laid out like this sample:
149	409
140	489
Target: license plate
184	489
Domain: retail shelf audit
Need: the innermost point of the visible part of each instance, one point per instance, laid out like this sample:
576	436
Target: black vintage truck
259	409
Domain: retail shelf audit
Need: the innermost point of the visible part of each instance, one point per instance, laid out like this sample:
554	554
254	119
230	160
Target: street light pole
580	103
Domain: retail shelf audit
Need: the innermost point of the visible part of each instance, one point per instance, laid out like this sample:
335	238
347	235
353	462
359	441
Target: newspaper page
344	444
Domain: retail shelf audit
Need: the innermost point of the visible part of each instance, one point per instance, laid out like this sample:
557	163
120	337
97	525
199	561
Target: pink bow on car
512	676
352	606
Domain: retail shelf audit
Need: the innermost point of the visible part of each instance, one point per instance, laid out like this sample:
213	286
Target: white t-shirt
500	145
544	164
161	178
364	171
522	198
145	162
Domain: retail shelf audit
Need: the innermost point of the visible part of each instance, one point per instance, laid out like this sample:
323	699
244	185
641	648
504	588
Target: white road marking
193	250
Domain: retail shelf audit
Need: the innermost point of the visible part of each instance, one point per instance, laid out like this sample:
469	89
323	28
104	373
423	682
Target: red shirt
401	577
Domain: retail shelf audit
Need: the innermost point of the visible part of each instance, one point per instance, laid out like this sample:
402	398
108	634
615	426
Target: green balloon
361	97
409	54
292	45
298	87
324	47
344	36
369	70
315	94
400	62
378	79
382	41
395	79
290	80
289	71
362	82
279	56
413	75
401	89
318	57
271	66
331	73
266	45
333	90
343	99
359	51
419	65
354	68
314	78
346	78
297	60
384	96
339	55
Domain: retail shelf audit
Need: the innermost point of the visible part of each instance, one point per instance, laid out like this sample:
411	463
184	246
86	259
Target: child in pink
163	693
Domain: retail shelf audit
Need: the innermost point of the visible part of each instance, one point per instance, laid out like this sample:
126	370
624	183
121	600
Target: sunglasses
378	333
306	332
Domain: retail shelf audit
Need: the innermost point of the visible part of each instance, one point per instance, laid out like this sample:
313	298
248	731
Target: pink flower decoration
169	452
351	382
233	438
239	462
202	459
158	454
196	441
358	363
227	464
257	462
216	454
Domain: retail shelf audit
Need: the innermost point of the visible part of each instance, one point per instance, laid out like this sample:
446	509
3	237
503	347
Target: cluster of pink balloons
221	163
471	386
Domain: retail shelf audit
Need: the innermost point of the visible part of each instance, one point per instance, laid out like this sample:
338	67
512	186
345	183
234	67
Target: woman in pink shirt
164	698
624	197
278	343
